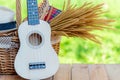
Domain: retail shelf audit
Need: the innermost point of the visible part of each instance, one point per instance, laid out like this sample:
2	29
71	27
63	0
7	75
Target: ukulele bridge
38	65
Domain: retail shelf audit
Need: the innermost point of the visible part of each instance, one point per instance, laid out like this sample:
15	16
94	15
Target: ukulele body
36	61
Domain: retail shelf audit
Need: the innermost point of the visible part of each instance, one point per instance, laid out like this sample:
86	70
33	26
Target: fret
33	14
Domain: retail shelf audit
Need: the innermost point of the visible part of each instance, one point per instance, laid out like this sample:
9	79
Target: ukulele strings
32	30
35	34
35	37
44	11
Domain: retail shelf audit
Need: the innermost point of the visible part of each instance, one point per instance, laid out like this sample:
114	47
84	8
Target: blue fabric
7	26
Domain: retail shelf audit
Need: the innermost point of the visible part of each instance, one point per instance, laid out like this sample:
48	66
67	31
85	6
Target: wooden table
80	72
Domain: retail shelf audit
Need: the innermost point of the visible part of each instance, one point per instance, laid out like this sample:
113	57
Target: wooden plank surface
98	72
79	72
64	73
113	71
10	77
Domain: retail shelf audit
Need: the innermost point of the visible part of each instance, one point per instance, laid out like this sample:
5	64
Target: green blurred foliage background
76	50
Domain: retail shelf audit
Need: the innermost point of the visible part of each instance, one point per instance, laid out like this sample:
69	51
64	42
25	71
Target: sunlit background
76	50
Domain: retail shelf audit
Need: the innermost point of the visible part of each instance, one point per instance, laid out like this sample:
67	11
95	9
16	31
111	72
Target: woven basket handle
18	12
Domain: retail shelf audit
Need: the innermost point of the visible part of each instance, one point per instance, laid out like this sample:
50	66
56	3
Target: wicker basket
7	56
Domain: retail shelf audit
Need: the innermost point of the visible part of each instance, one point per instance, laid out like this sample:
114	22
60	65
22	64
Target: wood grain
10	77
2	77
64	73
51	78
97	72
113	71
15	77
80	72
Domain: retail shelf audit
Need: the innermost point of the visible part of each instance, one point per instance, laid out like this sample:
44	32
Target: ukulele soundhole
35	39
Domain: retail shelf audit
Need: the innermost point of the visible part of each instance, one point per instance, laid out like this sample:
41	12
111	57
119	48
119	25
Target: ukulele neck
33	15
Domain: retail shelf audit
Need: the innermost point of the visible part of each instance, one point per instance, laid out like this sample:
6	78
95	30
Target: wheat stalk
80	21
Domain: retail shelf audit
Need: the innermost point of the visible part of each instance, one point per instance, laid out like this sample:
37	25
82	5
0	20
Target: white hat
6	15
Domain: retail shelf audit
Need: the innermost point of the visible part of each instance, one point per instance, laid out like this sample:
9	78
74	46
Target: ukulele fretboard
33	15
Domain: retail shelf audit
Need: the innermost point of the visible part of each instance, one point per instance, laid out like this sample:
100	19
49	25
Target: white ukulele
36	59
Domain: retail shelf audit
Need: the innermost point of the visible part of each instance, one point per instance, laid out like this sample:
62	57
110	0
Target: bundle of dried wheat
80	21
